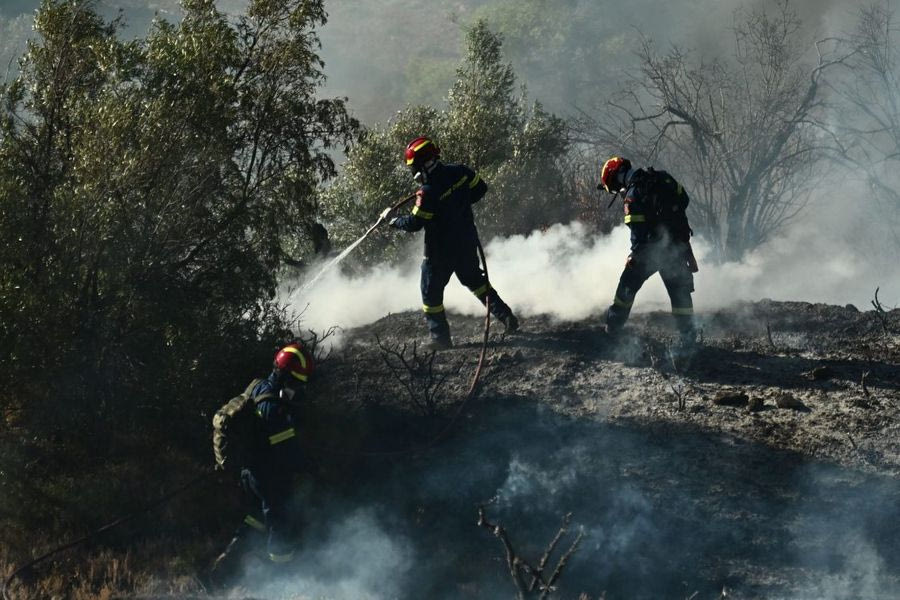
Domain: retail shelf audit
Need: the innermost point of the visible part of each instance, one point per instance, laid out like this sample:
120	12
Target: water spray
346	251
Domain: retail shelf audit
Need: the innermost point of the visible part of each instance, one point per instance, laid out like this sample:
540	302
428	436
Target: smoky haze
570	273
663	516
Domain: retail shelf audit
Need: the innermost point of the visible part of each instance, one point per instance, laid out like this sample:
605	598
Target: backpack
667	203
235	428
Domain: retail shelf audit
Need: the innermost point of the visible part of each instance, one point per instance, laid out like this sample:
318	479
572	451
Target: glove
393	222
385	213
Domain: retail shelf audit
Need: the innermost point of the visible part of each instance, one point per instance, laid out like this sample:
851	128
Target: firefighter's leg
435	276
251	528
470	274
278	521
272	490
636	272
679	283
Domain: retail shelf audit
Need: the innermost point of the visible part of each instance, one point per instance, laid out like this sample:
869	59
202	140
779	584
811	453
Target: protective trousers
271	492
435	276
670	260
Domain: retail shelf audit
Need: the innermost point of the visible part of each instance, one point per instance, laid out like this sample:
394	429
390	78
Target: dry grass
104	575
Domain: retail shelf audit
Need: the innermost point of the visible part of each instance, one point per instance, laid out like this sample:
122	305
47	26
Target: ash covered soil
763	466
817	379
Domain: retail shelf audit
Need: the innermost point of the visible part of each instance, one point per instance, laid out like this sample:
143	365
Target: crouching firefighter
443	208
655	206
255	436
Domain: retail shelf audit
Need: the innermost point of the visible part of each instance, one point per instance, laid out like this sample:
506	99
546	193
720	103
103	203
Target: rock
731	399
756	404
821	373
850	307
789	401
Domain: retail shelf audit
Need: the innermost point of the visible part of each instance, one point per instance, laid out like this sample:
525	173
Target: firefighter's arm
636	217
422	212
477	187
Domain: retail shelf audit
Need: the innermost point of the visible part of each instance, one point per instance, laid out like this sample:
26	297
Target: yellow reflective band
680	189
280	437
482	289
634	218
433	309
409	161
455	186
254	523
302	358
682	311
619	302
296	352
281	558
422	214
475	180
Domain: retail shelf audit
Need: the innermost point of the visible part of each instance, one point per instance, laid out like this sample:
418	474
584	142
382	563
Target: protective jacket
655	206
276	447
444	208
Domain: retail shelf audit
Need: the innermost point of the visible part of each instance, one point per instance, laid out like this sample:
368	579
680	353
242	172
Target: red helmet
420	151
609	174
294	359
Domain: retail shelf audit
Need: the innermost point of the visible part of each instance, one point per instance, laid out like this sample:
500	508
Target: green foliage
146	188
514	146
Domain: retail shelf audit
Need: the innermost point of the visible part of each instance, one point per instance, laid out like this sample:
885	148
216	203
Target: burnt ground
819	380
765	465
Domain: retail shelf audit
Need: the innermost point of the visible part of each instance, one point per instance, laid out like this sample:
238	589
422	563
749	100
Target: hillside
791	493
812	359
764	467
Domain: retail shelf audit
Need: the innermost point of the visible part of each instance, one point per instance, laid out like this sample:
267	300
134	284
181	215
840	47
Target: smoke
355	557
663	516
571	274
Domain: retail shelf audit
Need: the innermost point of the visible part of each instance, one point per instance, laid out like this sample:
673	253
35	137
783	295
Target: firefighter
270	458
443	208
655	206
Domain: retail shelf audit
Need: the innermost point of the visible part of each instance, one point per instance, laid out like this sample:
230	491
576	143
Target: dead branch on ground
880	313
769	336
519	567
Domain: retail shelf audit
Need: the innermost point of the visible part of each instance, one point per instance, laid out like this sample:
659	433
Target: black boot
439	343
511	323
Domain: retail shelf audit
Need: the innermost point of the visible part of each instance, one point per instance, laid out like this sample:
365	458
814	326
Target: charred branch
417	374
520	568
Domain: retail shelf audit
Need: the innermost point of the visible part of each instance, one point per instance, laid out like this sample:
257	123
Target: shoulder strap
260	397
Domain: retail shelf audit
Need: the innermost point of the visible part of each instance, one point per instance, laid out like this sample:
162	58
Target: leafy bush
146	190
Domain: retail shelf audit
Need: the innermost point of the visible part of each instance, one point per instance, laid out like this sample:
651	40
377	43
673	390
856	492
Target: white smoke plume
571	274
355	558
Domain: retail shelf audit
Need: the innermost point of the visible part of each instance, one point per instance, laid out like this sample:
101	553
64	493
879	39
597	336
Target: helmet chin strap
421	176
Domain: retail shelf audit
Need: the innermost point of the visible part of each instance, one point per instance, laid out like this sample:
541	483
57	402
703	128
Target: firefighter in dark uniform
444	209
655	206
273	459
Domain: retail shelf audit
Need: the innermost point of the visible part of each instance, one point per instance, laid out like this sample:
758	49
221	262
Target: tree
866	124
738	132
516	147
146	192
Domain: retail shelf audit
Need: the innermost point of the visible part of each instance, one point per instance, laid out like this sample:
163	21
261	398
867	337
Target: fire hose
4	590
